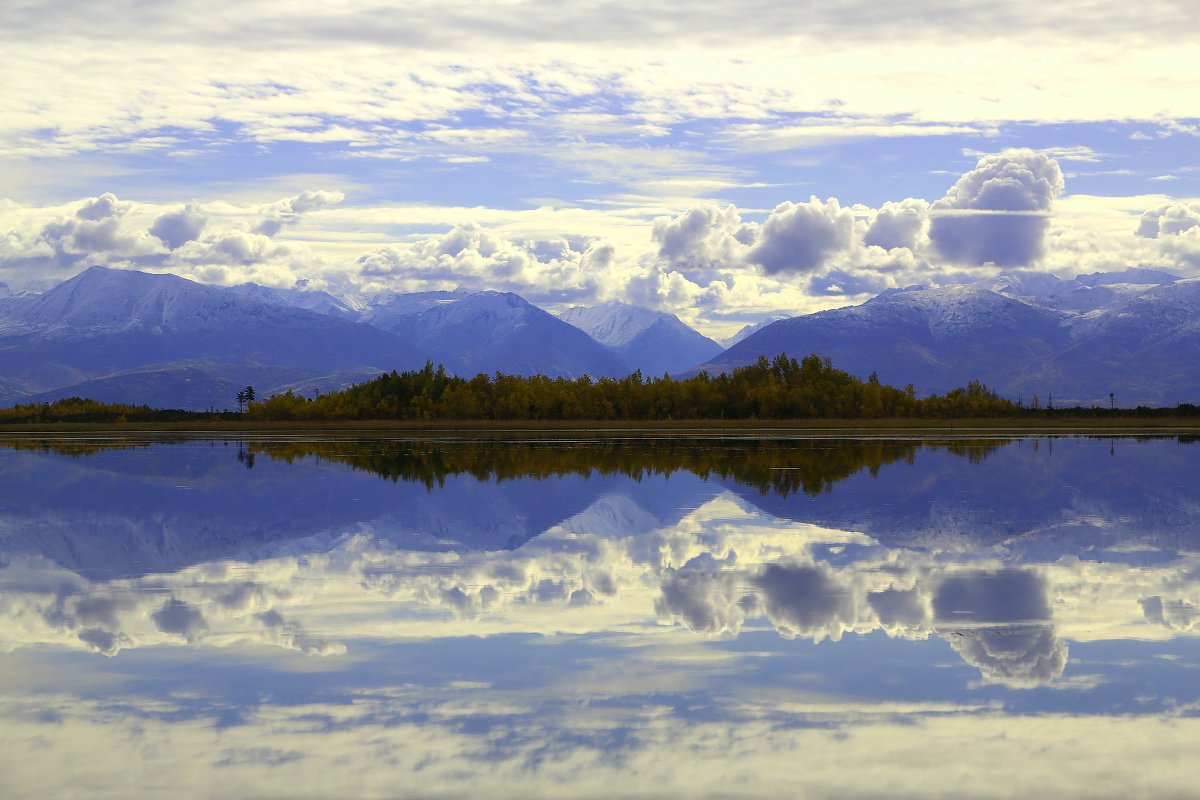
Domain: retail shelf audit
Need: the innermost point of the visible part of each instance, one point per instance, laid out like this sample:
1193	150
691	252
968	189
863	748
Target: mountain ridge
1022	337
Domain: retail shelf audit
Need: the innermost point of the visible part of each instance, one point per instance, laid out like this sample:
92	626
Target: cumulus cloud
703	241
214	243
997	213
95	229
231	247
102	207
709	243
1169	220
49	243
800	237
898	224
658	289
177	228
469	255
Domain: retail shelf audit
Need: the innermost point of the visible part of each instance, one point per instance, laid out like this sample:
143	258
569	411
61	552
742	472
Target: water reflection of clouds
722	568
452	741
1001	623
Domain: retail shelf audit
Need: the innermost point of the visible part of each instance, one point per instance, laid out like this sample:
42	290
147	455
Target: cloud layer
716	265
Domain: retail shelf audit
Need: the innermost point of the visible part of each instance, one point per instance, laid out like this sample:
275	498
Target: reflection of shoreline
771	465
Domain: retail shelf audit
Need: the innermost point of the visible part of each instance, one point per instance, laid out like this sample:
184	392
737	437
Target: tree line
780	389
783	388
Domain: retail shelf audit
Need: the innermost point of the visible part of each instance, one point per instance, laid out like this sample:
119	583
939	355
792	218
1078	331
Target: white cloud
1173	231
177	228
704	242
1012	180
1169	220
996	213
370	81
548	271
899	224
289	210
801	237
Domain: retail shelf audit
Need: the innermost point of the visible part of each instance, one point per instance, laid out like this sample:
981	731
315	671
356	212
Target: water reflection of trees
778	466
77	448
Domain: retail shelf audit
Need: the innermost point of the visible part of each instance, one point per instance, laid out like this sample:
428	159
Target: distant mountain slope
163	340
752	328
197	386
474	332
106	322
310	300
651	341
1074	340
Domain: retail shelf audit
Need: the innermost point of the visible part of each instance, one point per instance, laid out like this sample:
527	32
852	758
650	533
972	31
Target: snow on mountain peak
297	297
613	324
100	299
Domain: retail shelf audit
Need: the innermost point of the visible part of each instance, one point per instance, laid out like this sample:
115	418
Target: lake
618	615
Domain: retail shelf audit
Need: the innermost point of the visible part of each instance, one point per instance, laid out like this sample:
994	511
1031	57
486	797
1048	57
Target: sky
725	162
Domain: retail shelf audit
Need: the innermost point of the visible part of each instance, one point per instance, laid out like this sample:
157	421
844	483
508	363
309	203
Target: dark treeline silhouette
781	389
80	409
766	390
777	466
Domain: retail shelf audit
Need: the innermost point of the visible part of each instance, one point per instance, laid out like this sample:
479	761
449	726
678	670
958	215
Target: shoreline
1124	426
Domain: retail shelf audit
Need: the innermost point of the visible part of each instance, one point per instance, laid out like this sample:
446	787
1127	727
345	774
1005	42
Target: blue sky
566	142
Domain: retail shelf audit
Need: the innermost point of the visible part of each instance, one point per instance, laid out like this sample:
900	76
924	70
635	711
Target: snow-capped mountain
652	341
121	335
487	332
207	506
128	336
168	341
295	297
1019	333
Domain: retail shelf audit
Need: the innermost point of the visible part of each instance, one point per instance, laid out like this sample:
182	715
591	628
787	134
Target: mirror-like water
733	616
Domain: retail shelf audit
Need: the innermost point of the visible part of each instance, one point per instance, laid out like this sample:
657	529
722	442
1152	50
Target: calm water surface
681	616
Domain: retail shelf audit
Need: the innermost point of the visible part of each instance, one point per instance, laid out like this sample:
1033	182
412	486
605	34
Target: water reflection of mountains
128	507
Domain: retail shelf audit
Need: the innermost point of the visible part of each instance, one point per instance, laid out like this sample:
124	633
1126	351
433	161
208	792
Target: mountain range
126	336
1135	334
650	341
121	335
